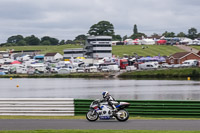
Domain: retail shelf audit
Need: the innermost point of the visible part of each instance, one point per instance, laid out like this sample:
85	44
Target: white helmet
105	94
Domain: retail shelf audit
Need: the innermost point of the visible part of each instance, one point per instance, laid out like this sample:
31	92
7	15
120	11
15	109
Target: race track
25	124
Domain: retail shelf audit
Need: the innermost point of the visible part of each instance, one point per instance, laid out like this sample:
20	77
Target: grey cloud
66	19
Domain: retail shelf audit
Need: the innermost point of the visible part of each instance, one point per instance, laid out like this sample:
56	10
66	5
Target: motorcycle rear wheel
122	115
92	116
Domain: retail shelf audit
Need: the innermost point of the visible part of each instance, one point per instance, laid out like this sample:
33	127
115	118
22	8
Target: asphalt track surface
36	124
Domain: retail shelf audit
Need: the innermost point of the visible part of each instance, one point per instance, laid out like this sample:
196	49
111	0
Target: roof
179	55
39	56
50	54
182	55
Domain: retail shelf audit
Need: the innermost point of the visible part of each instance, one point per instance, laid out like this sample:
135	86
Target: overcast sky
65	19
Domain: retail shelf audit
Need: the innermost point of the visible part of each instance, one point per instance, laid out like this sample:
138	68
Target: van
130	68
190	63
148	65
114	68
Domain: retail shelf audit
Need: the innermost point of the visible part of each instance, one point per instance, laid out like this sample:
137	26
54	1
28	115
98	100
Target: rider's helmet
105	94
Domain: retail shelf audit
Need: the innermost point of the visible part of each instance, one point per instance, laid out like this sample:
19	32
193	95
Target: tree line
19	40
101	28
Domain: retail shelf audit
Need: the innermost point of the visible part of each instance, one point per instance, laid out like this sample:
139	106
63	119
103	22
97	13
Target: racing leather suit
109	99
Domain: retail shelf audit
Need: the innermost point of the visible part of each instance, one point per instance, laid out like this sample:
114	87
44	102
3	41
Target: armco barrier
150	108
37	106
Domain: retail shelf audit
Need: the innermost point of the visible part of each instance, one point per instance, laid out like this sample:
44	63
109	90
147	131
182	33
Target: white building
53	57
73	53
98	46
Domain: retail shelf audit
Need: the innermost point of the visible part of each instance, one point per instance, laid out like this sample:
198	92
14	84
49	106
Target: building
98	47
178	58
51	57
73	53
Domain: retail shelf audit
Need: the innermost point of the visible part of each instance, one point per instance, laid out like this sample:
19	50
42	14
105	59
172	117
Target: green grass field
196	47
152	50
98	131
44	49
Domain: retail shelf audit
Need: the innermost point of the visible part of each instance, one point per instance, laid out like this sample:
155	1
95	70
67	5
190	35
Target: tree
168	34
62	42
70	42
80	39
116	38
181	34
32	40
192	33
53	41
15	39
102	28
138	35
125	37
135	31
21	43
46	42
155	35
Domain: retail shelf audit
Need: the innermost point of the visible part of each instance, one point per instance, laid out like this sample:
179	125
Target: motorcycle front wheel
92	115
122	115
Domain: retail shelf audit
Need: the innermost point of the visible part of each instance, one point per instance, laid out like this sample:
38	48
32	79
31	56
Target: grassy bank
180	73
73	75
196	47
150	50
98	131
44	49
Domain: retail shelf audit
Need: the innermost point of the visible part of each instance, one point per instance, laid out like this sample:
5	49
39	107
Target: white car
105	69
166	65
80	70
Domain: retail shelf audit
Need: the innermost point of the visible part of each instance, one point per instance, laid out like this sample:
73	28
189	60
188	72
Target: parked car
130	68
176	65
93	69
114	68
54	70
80	70
148	65
166	65
105	69
6	71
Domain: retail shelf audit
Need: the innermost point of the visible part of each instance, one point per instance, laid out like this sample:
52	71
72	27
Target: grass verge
180	73
72	75
83	117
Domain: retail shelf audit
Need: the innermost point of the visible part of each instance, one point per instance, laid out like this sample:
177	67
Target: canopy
15	62
80	57
161	41
155	58
2	73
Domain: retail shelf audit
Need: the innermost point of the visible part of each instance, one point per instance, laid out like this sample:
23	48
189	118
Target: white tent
147	41
186	41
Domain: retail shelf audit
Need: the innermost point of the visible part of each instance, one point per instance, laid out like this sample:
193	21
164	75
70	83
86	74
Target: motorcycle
103	111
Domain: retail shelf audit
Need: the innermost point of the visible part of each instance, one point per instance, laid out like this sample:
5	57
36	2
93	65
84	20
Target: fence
71	107
150	108
37	106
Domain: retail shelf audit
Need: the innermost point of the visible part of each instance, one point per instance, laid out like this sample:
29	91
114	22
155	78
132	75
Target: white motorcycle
104	111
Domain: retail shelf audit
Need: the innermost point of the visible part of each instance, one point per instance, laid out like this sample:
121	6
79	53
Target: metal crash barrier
37	106
151	108
71	107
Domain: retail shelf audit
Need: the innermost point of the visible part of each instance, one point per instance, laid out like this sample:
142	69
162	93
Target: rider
107	97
